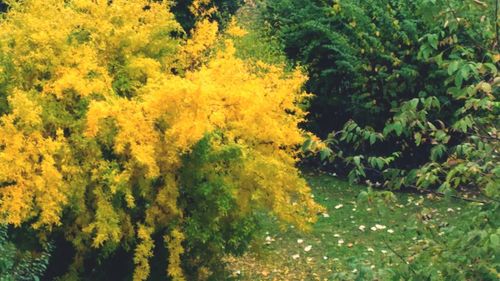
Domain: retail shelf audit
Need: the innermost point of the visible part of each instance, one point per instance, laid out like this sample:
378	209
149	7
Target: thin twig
440	194
398	255
485	137
394	251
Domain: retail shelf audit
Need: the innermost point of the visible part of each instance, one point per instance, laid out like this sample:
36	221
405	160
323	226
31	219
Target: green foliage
256	44
21	265
214	224
224	11
468	251
407	96
409	88
360	56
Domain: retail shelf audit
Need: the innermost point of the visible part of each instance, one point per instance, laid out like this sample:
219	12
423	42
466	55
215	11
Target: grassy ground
349	238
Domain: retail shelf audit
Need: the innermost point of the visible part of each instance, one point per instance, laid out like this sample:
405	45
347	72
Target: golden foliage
34	185
175	250
97	115
143	252
202	8
204	37
234	30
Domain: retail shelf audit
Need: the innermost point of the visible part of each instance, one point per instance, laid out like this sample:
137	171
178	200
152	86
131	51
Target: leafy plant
21	265
407	97
462	252
409	88
130	142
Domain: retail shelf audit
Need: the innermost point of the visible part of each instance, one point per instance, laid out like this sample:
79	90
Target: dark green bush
214	226
225	10
17	264
405	90
361	56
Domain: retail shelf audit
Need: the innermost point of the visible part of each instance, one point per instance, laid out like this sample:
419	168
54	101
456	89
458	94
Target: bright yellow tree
114	128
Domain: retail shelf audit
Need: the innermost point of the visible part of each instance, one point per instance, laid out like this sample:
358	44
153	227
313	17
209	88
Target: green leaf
459	80
398	128
453	67
380	163
357	160
351	126
306	145
495	240
493	69
418	138
433	41
414	103
373	139
325	153
437	152
465	71
363	196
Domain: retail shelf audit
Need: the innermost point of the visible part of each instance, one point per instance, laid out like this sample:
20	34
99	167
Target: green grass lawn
348	239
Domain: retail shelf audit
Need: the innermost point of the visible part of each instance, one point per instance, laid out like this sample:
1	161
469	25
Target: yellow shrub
99	118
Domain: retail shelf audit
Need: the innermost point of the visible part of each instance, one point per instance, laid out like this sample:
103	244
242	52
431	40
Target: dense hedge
394	82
